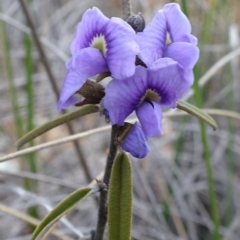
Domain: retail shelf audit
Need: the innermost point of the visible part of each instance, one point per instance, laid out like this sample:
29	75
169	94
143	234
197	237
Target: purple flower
146	92
136	142
100	44
167	78
152	41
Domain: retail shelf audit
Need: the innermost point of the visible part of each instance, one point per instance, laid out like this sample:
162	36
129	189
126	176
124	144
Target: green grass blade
230	177
31	185
198	96
184	7
87	109
30	97
189	108
207	158
60	210
10	78
120	199
29	85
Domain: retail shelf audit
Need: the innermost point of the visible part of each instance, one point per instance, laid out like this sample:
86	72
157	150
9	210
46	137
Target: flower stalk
126	9
102	212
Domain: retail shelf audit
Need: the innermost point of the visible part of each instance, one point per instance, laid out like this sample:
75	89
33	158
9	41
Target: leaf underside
120	199
192	110
60	210
84	110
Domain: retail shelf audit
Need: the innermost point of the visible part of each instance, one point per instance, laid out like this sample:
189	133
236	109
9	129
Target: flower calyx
92	92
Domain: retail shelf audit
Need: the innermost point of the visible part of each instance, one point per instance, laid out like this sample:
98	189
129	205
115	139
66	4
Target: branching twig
102	213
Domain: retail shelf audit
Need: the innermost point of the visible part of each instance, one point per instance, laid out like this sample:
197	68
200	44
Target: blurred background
171	185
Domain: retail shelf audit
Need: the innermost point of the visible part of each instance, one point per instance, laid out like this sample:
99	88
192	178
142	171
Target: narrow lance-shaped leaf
189	108
87	109
120	199
61	209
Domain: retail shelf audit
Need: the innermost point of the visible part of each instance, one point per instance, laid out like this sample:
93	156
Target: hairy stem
102	212
126	9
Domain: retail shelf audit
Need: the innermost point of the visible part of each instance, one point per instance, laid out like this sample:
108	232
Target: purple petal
92	25
150	117
169	80
135	142
123	97
68	64
152	40
68	89
86	63
70	102
178	24
89	62
186	54
121	48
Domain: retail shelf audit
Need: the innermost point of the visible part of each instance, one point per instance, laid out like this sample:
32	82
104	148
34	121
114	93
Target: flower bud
137	22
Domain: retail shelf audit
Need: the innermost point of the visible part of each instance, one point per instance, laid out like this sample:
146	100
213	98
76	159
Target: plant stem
126	9
102	212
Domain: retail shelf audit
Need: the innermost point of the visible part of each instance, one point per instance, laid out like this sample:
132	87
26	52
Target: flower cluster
166	53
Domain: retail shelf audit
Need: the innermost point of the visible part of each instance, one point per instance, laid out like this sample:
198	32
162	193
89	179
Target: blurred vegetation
172	197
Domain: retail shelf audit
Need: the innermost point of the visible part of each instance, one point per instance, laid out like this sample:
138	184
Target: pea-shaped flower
100	45
146	92
168	22
136	142
167	77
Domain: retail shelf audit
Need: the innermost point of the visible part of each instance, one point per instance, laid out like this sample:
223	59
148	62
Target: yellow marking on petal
100	43
150	95
168	39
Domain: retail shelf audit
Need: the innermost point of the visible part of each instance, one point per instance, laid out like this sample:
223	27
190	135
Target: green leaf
60	210
84	110
120	199
189	108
